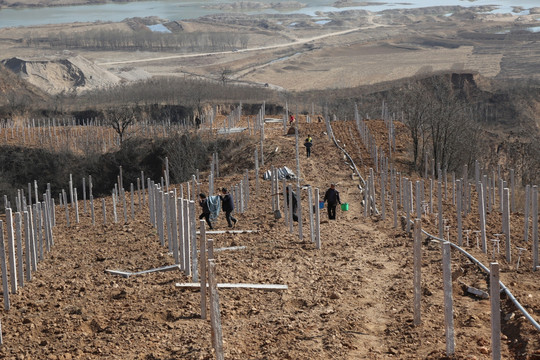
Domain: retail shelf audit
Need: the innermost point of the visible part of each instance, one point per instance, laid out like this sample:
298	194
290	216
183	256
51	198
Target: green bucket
345	207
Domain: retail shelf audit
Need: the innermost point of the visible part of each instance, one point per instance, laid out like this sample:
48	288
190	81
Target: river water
185	9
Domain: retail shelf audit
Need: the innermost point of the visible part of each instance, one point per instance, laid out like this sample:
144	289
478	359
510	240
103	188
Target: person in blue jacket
227	204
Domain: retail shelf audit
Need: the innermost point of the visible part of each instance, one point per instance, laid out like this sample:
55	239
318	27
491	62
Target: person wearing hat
227	204
332	197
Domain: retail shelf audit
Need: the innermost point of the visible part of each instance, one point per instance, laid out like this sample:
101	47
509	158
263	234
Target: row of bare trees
115	39
440	123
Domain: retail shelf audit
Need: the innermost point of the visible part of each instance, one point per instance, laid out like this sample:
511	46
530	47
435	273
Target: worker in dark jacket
203	201
227	204
332	197
308	144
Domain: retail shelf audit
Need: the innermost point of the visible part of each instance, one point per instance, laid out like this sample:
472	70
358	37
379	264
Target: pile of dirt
61	74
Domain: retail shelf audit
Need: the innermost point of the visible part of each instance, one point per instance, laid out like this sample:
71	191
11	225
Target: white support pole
448	303
526	208
174	226
203	259
310	204
417	277
495	311
215	316
18	235
506	222
11	251
132	191
440	210
482	216
3	265
193	242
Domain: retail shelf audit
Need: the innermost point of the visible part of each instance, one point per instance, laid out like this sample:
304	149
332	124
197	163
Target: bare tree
120	119
224	75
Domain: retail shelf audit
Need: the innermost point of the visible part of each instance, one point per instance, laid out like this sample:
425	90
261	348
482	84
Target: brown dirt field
352	299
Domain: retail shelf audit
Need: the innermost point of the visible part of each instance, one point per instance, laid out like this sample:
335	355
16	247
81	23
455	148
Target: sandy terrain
350	300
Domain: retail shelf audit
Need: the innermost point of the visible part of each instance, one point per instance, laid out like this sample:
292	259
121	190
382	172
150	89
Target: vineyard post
104	210
285	203
506	222
535	226
448	303
407	205
513	191
180	222
11	250
187	269
193	241
92	213
132	188
18	234
28	241
417	271
202	257
453	188
418	200
142	188
215	317
440	210
3	265
482	216
168	219
160	218
273	180
115	215
394	200
76	202
256	157
70	189
310	204
299	211
84	193
495	311
290	212
383	194
526	208
459	213
317	220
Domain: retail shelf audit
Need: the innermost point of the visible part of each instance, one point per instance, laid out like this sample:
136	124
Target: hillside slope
352	299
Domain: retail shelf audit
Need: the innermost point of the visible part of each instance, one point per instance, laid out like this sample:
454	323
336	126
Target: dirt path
259	48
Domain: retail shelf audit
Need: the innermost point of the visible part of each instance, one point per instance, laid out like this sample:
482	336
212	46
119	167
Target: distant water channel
182	10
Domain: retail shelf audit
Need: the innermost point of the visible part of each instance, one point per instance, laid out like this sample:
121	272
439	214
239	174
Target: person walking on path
227	204
203	201
332	197
308	144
